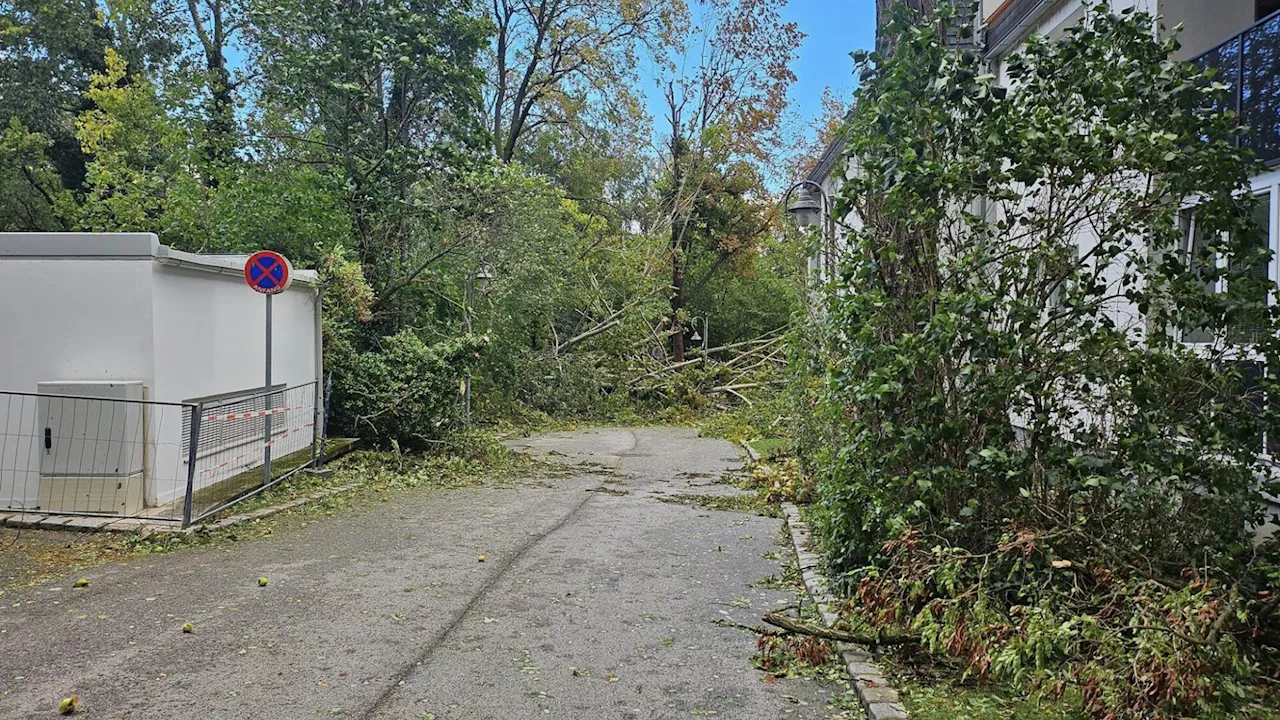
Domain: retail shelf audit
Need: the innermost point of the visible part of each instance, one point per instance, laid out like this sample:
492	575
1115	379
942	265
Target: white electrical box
92	440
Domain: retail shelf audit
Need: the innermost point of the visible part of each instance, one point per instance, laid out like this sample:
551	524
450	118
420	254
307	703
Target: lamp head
805	209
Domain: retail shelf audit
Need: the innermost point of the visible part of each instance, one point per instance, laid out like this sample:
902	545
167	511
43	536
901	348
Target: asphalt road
590	604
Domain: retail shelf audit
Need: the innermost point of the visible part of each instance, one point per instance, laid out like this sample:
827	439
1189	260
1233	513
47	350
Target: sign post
268	273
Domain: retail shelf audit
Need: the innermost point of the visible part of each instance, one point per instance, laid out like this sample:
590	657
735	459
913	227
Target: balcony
1249	64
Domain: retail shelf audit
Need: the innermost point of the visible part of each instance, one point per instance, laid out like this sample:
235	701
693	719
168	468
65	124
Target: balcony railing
1249	64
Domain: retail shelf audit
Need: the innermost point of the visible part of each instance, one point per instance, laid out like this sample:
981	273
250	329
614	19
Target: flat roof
123	246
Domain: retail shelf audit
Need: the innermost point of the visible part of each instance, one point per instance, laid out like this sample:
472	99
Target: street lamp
805	209
704	337
482	276
808	212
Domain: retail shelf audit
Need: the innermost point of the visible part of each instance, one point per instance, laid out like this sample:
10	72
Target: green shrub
405	393
1018	458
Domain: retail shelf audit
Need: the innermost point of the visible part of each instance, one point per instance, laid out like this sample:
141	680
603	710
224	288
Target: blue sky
834	28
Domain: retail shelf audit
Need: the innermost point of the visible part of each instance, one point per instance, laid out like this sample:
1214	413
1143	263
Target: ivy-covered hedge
1018	458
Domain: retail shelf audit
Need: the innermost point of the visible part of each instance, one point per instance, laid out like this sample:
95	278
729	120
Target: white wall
210	339
64	319
101	307
1206	22
210	334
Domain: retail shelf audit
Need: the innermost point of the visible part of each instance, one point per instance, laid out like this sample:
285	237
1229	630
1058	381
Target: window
1195	244
1195	249
1060	272
1248	329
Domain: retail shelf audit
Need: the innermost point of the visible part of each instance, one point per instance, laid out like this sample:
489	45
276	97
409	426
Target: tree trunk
677	243
677	291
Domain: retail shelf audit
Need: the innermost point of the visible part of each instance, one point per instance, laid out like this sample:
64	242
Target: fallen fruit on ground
69	705
480	559
262	582
188	628
82	582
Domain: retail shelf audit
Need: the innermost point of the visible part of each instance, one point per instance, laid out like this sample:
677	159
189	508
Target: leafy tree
215	24
50	50
1019	459
722	115
381	92
569	62
33	198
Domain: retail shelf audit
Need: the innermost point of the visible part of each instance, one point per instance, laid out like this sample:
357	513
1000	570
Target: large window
1248	329
1195	242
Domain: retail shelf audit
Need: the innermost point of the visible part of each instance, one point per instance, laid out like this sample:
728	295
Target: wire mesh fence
247	444
103	450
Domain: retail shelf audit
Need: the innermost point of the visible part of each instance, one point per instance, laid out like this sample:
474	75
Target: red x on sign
268	272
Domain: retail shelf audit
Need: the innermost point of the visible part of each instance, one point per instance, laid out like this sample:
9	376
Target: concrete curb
41	521
751	452
879	699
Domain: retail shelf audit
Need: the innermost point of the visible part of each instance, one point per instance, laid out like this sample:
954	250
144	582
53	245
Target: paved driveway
595	601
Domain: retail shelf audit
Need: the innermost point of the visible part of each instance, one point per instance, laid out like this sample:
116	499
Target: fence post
323	426
197	413
316	448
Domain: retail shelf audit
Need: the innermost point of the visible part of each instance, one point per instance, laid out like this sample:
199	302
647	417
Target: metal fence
102	455
1249	65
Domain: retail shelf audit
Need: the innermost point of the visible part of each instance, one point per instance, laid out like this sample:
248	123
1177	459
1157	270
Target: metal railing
127	458
1249	64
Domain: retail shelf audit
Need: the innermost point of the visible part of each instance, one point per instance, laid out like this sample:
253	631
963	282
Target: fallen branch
666	368
603	327
800	628
731	388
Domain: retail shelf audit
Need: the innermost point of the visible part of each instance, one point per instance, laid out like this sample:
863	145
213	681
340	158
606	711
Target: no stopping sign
268	272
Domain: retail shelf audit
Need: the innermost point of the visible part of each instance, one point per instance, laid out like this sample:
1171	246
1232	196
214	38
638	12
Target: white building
122	316
1241	38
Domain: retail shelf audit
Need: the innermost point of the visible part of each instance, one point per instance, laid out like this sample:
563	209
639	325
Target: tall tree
556	61
380	92
215	24
726	109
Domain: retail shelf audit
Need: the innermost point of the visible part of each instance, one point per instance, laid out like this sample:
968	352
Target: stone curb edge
751	452
879	699
41	521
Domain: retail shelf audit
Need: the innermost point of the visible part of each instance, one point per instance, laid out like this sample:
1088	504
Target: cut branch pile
729	370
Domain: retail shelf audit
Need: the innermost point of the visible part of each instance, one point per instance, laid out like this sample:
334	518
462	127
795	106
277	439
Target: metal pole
193	443
706	337
318	392
466	311
266	440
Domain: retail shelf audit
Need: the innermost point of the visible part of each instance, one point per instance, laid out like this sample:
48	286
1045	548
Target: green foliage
352	138
405	394
1017	455
31	195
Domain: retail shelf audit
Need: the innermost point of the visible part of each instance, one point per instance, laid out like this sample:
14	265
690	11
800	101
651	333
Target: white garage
112	346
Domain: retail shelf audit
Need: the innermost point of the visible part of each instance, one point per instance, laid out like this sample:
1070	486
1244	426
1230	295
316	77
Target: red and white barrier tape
254	451
253	413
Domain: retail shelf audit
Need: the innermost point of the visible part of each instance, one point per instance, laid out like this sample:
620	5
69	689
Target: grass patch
769	448
944	700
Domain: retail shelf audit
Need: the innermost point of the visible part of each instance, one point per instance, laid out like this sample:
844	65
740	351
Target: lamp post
482	276
704	336
809	212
